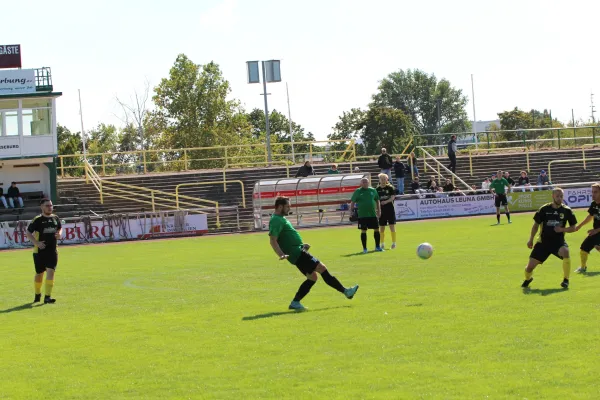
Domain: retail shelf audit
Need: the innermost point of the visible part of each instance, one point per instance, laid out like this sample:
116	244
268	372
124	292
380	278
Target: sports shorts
306	263
541	251
368	223
590	243
500	199
41	261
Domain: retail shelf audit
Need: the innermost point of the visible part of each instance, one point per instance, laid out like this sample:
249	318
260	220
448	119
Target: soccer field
207	318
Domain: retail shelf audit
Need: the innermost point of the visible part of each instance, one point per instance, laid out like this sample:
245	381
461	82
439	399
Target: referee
369	210
387	195
498	187
44	231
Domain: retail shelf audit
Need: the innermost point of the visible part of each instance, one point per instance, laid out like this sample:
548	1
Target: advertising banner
456	206
17	81
528	201
10	56
143	228
581	197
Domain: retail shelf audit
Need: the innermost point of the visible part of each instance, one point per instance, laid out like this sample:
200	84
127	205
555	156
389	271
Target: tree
422	97
386	127
136	114
350	126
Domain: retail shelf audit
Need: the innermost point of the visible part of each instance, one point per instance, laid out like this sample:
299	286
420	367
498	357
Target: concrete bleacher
78	198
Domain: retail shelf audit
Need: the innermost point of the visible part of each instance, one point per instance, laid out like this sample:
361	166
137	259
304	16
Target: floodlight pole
268	129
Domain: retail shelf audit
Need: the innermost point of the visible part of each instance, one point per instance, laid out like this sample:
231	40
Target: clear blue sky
528	53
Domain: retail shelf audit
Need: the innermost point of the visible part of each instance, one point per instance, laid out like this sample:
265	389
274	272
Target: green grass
206	318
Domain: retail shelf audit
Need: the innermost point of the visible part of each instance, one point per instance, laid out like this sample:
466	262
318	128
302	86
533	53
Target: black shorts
388	217
368	223
41	261
542	251
590	243
501	199
306	263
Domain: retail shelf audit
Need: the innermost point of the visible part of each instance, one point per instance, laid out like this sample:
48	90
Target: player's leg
374	224
38	279
584	252
306	264
393	233
334	283
539	255
506	210
363	226
382	234
498	214
563	253
51	262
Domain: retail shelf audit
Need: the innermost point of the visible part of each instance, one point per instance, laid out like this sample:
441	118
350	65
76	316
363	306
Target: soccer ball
425	251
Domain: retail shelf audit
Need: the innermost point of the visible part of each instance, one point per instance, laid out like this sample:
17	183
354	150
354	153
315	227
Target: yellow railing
441	167
568	161
152	197
181	159
471	151
583	153
210	183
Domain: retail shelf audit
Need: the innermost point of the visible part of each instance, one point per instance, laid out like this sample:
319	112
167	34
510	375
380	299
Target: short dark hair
281	201
44	201
13	183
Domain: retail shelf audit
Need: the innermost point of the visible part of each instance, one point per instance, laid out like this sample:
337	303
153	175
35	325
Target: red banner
10	56
306	192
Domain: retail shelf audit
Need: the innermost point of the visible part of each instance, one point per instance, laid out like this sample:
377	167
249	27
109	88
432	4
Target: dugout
314	200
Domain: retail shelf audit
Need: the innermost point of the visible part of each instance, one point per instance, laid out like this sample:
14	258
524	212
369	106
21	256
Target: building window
12	122
36	122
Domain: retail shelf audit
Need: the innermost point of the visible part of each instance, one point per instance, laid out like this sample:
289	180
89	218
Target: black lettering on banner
9	146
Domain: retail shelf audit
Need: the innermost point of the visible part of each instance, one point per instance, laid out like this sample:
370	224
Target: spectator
433	187
543	181
508	178
523	182
385	163
448	187
305	170
414	186
399	171
458	192
2	198
356	169
413	161
485	185
333	169
452	153
440	192
14	194
431	182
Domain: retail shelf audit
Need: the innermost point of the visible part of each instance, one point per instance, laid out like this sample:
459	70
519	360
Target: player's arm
534	231
58	233
276	248
586	221
33	227
572	220
352	202
378	208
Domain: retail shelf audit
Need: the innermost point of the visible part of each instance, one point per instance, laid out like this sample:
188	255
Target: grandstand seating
78	198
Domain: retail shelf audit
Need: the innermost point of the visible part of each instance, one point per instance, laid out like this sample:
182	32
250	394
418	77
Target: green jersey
365	198
288	238
333	171
499	185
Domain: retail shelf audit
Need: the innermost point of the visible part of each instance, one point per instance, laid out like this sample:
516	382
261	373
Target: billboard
529	201
10	56
17	81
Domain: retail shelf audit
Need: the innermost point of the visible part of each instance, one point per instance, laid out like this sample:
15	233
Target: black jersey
594	211
385	193
43	229
549	218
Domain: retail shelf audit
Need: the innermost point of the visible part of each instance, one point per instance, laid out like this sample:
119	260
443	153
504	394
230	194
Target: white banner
575	198
9	146
17	81
142	228
456	206
406	209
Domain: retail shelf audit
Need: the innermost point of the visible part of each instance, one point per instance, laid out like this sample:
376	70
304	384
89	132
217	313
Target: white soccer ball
425	251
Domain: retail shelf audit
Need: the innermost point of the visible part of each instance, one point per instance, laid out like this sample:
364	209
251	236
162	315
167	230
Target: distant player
287	244
387	195
498	187
553	218
592	241
44	231
369	210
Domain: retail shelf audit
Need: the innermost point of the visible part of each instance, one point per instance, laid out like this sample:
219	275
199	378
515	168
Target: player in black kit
592	241
44	232
552	218
387	195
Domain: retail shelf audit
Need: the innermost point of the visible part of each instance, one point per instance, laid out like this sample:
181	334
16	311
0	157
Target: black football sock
363	239
377	237
332	281
508	215
304	289
498	217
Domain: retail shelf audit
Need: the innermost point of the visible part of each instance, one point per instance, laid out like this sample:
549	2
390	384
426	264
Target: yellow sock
584	257
394	237
382	234
528	275
567	267
49	286
38	287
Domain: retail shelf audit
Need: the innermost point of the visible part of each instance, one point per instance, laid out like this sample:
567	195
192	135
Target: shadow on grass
360	253
26	306
544	292
289	312
592	274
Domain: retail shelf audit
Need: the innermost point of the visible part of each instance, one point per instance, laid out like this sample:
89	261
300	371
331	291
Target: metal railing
499	150
210	183
583	160
427	155
154	198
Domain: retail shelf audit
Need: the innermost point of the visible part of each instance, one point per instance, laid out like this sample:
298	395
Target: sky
526	54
